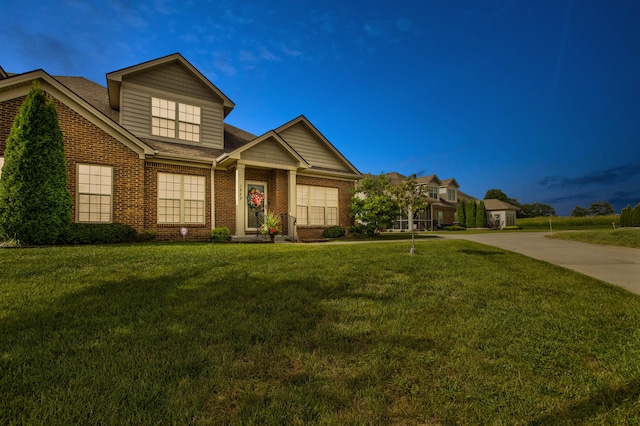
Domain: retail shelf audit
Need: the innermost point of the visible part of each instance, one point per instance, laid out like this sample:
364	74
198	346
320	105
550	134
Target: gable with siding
174	81
313	149
269	151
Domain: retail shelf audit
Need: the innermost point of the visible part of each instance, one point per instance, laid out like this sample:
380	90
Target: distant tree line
598	208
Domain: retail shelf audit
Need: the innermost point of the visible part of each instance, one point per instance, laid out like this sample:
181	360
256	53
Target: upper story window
433	192
451	195
166	118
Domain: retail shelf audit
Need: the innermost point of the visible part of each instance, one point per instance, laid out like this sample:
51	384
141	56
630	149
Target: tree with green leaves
626	216
411	198
601	208
536	210
372	206
460	211
635	220
579	212
35	206
470	214
481	215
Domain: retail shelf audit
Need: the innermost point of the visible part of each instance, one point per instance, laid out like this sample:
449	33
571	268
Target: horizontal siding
269	152
136	116
313	150
174	78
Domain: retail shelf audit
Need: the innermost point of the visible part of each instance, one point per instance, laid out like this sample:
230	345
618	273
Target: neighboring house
152	150
499	213
443	196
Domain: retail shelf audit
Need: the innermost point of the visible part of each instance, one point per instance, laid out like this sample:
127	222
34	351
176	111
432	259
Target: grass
620	237
568	222
322	334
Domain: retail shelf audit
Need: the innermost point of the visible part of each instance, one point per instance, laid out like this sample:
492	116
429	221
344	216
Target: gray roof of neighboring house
495	204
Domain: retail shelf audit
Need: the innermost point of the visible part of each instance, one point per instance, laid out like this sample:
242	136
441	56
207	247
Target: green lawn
323	334
620	237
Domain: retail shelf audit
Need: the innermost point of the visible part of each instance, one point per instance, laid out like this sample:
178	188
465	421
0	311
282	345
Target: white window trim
182	200
79	193
178	112
326	207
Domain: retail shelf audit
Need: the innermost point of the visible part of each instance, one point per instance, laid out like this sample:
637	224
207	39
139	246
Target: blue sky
538	98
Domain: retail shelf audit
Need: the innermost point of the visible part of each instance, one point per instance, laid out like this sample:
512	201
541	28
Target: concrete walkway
615	265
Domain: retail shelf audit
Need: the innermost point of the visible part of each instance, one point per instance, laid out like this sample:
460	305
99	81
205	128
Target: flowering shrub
255	198
270	224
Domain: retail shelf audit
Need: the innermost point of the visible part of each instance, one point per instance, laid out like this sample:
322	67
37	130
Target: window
95	189
451	195
165	118
180	198
317	205
511	218
433	192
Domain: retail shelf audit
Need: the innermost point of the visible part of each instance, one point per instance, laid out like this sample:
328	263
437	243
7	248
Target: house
443	196
499	213
152	150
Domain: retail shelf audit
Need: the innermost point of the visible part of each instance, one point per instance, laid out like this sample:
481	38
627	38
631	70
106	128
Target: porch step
257	239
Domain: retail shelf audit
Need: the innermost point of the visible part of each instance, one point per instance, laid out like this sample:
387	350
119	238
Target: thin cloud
222	63
267	55
604	177
403	24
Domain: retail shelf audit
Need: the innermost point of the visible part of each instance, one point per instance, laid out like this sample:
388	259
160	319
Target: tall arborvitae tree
470	214
626	216
635	221
35	206
460	210
481	215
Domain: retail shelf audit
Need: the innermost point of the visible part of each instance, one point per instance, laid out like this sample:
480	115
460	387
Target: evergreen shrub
220	235
98	233
334	232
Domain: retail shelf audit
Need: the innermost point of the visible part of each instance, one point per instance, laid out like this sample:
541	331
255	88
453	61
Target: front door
256	203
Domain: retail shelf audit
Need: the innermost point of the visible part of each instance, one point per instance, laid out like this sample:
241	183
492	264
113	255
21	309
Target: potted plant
270	225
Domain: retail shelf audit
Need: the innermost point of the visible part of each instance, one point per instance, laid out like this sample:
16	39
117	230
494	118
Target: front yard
293	334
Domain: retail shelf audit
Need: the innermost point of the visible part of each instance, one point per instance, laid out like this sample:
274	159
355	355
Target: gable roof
302	120
450	182
269	136
426	180
78	104
3	74
114	79
495	204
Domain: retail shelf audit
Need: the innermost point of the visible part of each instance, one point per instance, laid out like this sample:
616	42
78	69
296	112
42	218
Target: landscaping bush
511	228
334	232
220	235
455	228
93	233
146	236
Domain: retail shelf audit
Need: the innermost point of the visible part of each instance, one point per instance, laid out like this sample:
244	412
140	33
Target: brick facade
344	204
85	143
195	232
135	180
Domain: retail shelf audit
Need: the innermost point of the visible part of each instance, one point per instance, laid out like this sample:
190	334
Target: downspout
213	200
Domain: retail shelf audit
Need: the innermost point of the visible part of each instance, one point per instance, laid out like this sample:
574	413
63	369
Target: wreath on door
255	198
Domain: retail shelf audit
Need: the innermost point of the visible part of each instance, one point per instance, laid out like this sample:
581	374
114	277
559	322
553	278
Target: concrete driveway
615	265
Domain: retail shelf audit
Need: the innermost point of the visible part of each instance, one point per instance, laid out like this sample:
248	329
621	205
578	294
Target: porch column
293	202
240	200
